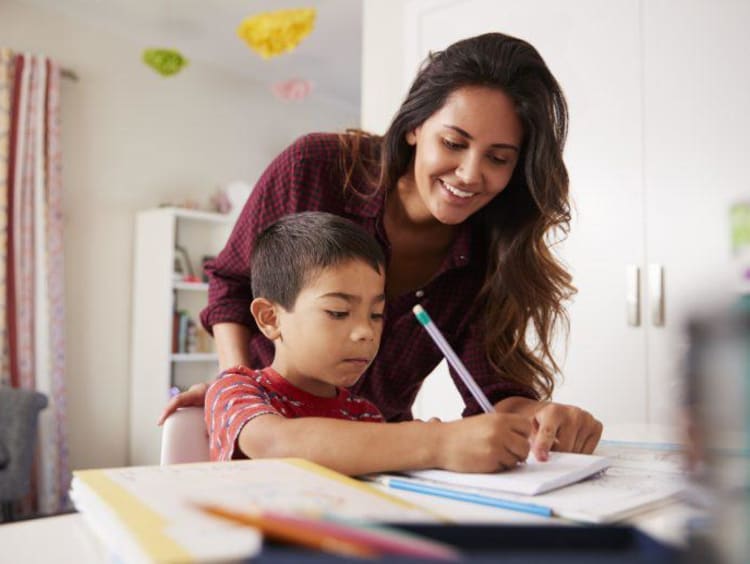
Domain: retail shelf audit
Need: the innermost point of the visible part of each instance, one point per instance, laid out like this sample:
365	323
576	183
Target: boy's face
333	332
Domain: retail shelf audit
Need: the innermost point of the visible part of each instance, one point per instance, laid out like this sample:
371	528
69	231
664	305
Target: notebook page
531	478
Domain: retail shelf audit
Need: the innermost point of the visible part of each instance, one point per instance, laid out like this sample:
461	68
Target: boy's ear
264	312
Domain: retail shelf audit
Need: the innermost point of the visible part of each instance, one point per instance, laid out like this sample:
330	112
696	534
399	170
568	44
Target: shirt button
419	293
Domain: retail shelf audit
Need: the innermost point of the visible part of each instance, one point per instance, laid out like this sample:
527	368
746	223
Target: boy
318	283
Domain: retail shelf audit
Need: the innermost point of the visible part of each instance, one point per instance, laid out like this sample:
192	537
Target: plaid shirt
307	176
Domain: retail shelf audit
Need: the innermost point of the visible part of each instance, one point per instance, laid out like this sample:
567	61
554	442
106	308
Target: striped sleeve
232	401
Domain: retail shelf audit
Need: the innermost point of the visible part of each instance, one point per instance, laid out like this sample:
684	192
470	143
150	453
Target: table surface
67	538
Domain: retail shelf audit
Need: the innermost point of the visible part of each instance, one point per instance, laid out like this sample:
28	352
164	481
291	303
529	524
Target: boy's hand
194	396
564	428
485	443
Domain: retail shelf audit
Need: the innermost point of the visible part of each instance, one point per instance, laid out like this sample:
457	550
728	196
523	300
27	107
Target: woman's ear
411	137
265	314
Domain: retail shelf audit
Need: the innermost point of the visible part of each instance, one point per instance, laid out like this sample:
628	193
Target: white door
696	91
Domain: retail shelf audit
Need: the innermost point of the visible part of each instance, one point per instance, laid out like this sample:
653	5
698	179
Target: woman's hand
193	397
564	428
484	443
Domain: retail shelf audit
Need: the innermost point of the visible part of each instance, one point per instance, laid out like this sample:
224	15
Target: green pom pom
164	61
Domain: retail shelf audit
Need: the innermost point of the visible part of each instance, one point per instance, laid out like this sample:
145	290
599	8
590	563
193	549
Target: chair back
19	411
184	437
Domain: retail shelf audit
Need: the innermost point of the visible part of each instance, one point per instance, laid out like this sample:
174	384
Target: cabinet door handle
656	291
633	295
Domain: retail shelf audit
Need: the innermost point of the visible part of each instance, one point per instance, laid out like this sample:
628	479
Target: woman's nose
468	170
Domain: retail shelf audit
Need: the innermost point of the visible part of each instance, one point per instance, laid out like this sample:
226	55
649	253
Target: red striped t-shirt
241	394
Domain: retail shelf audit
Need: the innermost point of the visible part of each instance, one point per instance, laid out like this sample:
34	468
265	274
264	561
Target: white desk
67	538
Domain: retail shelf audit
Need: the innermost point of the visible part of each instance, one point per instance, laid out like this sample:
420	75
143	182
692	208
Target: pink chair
184	437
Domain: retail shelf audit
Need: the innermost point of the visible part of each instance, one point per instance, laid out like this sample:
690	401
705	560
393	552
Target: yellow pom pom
274	33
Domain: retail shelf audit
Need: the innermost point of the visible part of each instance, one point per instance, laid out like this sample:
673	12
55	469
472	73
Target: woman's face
465	154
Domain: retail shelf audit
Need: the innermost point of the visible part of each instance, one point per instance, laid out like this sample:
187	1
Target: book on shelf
184	333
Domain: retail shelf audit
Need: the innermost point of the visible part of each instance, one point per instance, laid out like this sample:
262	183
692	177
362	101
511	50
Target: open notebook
639	478
530	478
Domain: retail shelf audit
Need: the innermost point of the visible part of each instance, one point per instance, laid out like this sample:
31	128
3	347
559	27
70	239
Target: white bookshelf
190	286
195	357
154	368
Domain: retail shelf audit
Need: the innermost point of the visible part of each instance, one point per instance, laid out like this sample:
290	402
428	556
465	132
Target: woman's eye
498	160
378	316
451	145
337	314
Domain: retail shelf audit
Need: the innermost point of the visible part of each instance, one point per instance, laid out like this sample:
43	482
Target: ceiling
204	30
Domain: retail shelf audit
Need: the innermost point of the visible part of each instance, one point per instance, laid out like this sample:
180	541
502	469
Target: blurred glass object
717	372
739	217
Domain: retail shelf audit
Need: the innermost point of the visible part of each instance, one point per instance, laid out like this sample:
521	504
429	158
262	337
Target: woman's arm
556	426
278	192
232	345
484	443
232	341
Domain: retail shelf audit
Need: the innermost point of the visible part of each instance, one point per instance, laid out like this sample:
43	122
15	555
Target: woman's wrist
520	405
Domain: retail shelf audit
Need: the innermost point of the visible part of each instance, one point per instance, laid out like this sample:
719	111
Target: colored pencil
335	536
452	358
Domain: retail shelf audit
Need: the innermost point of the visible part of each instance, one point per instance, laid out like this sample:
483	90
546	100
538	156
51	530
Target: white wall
131	140
383	86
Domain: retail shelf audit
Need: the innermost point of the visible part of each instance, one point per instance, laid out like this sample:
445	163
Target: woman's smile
454	193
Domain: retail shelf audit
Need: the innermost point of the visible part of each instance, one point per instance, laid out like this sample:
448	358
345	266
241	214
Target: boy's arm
484	443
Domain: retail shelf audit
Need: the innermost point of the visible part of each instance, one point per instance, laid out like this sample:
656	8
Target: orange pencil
277	528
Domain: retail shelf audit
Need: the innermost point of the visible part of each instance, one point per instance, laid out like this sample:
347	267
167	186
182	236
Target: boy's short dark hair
298	246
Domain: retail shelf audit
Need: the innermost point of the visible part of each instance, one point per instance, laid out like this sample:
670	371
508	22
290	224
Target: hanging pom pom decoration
166	62
294	89
274	33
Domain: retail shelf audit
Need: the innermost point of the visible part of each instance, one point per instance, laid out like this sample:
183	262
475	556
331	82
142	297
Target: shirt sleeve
291	183
470	348
231	402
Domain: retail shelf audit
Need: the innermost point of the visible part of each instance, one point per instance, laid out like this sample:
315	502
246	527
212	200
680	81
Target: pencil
277	528
452	358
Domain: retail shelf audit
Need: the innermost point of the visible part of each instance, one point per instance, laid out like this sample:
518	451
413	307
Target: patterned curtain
31	260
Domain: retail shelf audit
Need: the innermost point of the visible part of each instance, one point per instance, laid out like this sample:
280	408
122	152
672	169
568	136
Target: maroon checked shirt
307	176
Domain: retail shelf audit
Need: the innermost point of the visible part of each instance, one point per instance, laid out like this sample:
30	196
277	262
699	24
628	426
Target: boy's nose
363	332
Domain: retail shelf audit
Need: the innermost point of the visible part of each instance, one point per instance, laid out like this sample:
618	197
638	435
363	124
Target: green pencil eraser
421	315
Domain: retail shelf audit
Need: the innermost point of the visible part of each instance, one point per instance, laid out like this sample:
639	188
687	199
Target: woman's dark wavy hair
525	285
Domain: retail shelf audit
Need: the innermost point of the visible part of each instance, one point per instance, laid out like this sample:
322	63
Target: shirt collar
373	206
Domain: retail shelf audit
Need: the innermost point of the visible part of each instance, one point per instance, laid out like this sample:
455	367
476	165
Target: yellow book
149	513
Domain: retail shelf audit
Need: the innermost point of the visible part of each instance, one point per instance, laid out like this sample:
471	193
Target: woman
463	192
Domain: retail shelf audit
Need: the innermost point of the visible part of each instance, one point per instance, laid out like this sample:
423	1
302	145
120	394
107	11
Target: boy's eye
337	314
452	145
